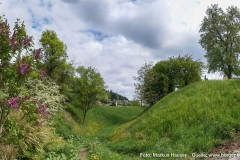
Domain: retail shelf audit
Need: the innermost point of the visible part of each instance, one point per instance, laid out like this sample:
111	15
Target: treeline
116	96
156	81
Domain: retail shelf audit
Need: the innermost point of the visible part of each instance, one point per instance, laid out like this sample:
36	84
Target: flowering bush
27	98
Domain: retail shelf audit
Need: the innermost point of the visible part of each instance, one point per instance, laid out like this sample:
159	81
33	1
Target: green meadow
194	119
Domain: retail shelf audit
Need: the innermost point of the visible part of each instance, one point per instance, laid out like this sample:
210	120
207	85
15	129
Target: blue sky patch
47	20
99	36
49	6
34	20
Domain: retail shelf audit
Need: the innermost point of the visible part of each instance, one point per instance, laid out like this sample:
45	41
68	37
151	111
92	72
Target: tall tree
89	88
54	51
139	86
221	40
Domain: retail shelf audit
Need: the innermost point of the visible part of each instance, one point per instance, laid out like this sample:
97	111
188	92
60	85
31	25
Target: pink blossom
23	68
13	102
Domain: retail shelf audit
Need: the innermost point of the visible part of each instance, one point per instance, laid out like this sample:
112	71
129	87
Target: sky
117	37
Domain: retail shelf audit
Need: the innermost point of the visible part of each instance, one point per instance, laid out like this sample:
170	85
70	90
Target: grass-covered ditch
193	119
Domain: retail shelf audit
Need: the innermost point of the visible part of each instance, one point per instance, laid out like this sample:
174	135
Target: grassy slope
193	119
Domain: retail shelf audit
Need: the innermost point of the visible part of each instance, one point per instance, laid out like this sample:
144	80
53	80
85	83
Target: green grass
101	122
193	119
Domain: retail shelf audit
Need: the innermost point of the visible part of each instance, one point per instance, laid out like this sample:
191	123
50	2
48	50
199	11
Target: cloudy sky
117	36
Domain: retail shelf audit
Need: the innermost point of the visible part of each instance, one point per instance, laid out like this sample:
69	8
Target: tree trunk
229	72
84	116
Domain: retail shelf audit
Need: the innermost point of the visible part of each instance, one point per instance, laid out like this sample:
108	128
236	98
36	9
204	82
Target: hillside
194	119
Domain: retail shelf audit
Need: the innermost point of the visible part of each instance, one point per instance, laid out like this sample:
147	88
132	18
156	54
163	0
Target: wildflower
13	102
42	74
23	68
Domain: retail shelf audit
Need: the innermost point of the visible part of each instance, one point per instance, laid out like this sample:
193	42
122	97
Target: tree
88	89
135	102
155	86
63	76
166	68
221	40
54	51
185	70
167	75
139	90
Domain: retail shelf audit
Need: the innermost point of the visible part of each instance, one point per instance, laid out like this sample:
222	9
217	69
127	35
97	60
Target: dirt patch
229	147
82	153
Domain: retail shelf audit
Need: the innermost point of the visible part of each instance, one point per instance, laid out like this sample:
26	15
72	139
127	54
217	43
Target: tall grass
193	119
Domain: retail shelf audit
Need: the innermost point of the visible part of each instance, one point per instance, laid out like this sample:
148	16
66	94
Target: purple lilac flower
12	41
27	41
13	102
42	74
23	68
37	53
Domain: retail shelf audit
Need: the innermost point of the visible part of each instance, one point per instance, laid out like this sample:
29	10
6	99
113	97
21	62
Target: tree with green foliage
135	102
185	70
54	52
165	68
89	88
167	75
221	40
64	75
155	86
139	86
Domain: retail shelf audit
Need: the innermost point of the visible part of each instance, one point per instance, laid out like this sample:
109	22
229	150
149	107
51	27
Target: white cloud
117	36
